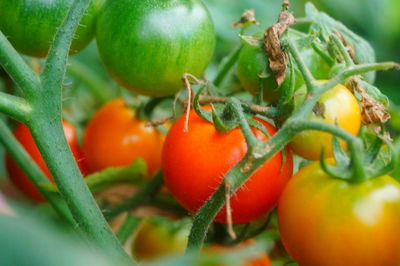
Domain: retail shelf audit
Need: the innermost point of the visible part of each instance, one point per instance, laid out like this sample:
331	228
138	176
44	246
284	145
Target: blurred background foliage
376	20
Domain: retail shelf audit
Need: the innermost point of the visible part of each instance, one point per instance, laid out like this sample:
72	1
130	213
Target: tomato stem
227	66
15	107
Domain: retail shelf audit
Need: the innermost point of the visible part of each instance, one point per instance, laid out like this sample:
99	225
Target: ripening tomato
115	137
148	45
195	162
18	177
337	105
327	221
30	26
261	259
158	237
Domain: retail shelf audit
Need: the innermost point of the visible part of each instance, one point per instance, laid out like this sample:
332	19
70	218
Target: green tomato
148	45
252	69
159	236
30	25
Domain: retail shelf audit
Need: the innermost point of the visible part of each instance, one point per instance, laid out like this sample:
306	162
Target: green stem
15	106
33	172
146	192
251	140
343	51
91	79
47	130
125	231
308	77
16	67
227	66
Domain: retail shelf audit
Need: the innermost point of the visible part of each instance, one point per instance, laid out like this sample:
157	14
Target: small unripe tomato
195	162
115	137
148	45
19	178
253	71
336	106
261	259
158	236
327	221
30	26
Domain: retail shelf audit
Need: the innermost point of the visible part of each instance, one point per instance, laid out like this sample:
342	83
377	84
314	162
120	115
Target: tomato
158	236
326	221
148	45
31	25
195	162
337	105
261	259
18	177
115	137
253	62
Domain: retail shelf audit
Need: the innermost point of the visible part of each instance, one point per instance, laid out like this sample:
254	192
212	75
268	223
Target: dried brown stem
229	223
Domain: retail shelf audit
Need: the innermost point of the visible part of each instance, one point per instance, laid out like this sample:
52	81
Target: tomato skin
253	61
195	162
31	25
18	177
148	45
158	236
115	137
326	221
340	105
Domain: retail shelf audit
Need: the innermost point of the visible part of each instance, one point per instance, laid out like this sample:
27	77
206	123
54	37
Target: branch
14	106
55	66
16	67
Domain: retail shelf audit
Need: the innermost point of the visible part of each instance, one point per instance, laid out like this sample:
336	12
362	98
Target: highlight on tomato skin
19	178
115	137
203	156
327	221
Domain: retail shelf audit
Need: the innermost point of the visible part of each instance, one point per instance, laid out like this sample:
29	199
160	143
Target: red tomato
18	177
327	221
195	162
114	137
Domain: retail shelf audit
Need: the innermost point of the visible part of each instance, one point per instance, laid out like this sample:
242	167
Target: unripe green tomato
30	25
253	61
158	236
148	45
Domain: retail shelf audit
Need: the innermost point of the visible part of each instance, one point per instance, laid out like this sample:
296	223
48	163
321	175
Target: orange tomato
115	137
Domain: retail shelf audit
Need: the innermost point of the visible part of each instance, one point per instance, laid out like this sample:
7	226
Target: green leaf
375	93
364	53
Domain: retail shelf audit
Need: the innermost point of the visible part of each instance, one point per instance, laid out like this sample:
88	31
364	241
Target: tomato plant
19	179
148	45
203	155
158	236
115	137
31	25
336	106
327	221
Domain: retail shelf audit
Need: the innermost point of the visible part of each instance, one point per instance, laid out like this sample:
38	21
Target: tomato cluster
147	47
